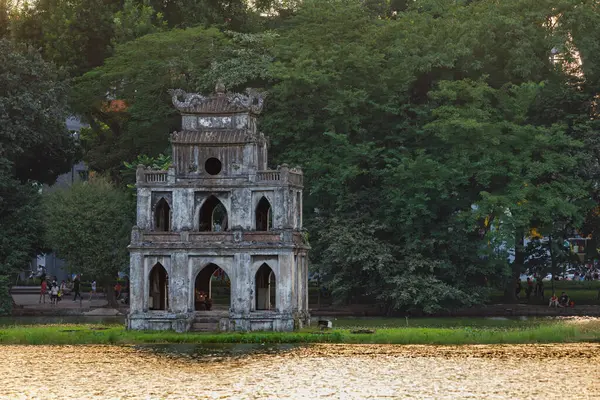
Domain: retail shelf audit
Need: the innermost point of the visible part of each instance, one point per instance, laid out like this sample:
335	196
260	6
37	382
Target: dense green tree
89	225
434	135
5	10
73	34
35	147
22	231
136	20
137	115
231	14
441	141
33	135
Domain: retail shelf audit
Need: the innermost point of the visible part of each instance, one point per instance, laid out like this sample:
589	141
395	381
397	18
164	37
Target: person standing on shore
43	290
93	291
54	293
76	288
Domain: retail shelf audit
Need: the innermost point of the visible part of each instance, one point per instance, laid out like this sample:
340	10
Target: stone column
183	209
305	281
171	174
144	209
241	209
139	174
242	284
285	283
179	285
136	282
300	210
250	164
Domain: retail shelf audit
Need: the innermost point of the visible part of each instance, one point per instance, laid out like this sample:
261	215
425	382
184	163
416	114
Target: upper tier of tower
219	136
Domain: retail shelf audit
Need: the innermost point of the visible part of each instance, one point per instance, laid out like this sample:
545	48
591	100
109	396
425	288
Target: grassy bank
563	331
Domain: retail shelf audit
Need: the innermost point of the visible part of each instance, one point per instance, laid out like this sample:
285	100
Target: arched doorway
213	216
162	216
158	288
265	288
212	289
263	213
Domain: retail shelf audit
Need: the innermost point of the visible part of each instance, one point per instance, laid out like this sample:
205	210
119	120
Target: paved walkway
31	301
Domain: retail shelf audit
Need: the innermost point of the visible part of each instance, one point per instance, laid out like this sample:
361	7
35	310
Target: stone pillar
250	163
285	282
144	208
183	209
300	210
171	174
305	280
242	284
284	173
242	211
139	174
299	287
179	285
136	282
286	201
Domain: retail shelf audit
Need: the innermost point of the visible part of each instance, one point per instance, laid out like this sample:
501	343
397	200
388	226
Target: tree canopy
33	108
35	147
89	225
434	135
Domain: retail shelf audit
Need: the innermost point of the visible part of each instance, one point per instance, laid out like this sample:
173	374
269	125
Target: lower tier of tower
224	290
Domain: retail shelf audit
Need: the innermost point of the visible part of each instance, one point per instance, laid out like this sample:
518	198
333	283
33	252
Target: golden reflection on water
314	372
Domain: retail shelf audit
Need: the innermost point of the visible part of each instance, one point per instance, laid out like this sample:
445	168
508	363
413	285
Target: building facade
217	212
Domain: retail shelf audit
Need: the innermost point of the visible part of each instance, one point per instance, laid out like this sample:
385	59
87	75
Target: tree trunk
552	260
110	296
509	290
318	291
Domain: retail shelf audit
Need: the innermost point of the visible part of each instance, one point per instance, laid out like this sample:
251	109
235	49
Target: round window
212	166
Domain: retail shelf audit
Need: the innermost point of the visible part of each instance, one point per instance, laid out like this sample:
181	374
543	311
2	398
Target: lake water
301	372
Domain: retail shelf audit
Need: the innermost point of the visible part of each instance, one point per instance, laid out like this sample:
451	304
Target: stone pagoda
218	243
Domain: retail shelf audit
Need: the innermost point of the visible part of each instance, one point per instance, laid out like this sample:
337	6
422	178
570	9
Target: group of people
562	301
53	289
57	291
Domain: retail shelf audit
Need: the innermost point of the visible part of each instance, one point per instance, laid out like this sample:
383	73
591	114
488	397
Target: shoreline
490	310
564	331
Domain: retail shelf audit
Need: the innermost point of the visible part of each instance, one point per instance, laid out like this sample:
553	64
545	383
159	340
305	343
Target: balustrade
268	176
155	176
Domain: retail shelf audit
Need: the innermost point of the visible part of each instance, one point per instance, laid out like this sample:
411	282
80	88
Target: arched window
263	215
159	288
265	288
213	216
212	289
162	216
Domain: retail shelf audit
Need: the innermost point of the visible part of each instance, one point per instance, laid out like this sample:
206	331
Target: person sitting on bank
563	300
554	301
